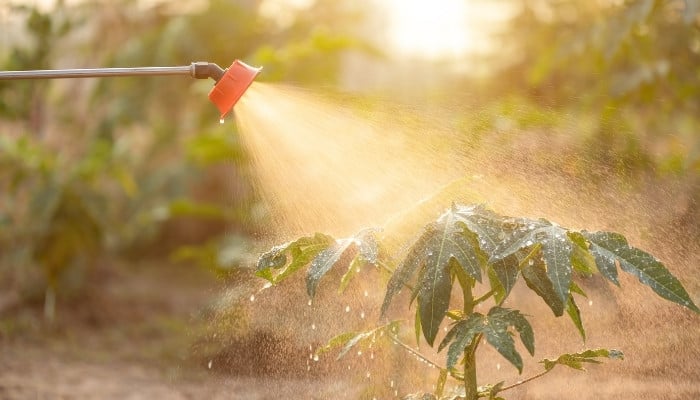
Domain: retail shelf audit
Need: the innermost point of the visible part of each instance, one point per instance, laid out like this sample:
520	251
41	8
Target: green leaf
495	327
302	252
610	248
460	336
506	271
556	251
536	279
487	225
348	340
323	262
434	299
442	243
581	259
575	314
576	360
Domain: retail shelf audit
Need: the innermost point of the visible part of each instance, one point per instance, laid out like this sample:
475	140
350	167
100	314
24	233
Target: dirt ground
136	338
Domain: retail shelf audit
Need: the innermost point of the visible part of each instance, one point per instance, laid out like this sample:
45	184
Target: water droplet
267	285
359	352
347	308
315	357
498	366
367	375
590	303
371	356
311	356
221	120
391	383
366	294
530	262
310	348
252	297
396	393
528	243
308	368
313	326
309	303
362	314
209	365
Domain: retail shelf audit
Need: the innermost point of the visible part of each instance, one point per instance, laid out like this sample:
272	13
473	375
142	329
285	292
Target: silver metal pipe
96	72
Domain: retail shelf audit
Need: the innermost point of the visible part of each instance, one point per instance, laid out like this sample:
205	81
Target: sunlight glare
429	29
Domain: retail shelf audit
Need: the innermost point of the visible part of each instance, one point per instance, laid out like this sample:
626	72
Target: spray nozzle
231	84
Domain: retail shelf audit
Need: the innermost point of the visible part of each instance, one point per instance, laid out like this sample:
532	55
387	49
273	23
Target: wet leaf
577	360
610	248
323	262
536	279
575	314
494	327
302	252
442	243
556	250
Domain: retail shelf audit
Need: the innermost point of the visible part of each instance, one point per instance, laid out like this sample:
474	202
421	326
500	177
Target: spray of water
324	166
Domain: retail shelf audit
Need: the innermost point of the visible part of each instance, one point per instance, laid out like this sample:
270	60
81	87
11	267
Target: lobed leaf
610	248
577	360
494	327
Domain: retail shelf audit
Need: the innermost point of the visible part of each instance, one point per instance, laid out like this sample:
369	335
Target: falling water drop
347	308
252	297
309	303
371	356
367	375
362	314
590	303
315	357
221	121
359	353
313	326
366	294
498	366
209	365
267	285
391	383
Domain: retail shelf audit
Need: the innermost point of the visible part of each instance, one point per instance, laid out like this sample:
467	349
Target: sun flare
429	29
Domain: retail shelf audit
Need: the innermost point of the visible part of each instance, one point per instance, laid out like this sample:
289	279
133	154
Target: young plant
466	245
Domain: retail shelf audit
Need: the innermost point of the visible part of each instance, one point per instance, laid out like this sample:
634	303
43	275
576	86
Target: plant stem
470	384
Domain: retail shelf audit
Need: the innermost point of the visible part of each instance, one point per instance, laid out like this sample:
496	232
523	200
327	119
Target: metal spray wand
230	85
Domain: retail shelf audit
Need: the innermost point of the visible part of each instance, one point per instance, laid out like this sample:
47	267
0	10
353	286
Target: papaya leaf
302	252
556	251
577	360
487	225
581	259
348	340
499	292
323	262
610	248
368	254
575	314
444	242
494	327
460	336
506	271
408	267
536	279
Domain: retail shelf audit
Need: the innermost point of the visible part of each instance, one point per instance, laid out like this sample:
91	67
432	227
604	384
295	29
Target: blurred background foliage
95	170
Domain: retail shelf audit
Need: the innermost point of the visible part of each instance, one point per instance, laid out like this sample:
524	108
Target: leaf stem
408	348
524	381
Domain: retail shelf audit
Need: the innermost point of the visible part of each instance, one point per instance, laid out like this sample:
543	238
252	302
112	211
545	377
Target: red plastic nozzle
229	89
